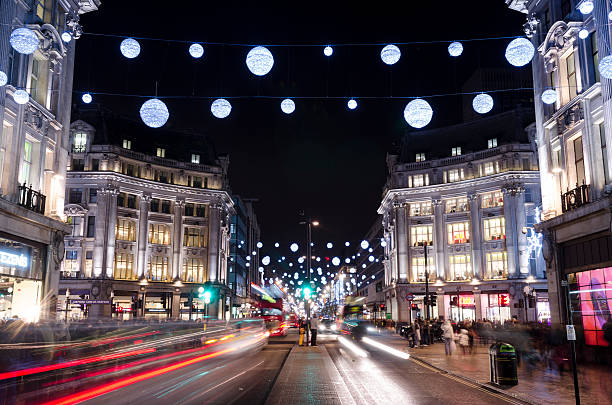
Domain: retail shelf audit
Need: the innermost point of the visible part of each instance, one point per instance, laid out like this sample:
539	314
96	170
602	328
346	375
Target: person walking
314	326
464	340
302	326
447	335
417	334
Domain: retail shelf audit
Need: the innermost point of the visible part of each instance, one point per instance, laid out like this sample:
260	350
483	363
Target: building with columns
470	204
573	135
150	222
34	140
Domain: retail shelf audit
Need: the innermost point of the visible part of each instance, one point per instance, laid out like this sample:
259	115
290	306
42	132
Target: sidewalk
309	377
538	385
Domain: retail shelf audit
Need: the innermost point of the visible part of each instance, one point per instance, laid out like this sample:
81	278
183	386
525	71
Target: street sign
388	315
571	332
90	302
409	297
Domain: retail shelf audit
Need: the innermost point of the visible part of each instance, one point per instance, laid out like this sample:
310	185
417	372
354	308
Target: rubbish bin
502	364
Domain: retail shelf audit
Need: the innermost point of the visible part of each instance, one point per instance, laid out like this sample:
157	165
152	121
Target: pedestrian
314	326
464	340
447	335
302	327
417	334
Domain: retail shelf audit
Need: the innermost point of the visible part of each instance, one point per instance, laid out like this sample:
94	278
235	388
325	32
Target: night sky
324	158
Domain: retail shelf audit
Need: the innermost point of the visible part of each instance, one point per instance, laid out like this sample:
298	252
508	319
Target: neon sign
12	259
503	300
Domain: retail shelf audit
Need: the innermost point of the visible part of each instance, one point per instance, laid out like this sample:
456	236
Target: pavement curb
484	386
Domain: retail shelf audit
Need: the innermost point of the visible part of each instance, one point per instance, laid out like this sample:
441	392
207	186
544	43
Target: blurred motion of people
314	327
447	335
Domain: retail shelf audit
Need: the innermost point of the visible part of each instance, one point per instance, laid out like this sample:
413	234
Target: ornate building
33	153
573	134
470	206
150	222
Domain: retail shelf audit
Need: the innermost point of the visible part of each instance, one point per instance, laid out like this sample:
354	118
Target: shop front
461	306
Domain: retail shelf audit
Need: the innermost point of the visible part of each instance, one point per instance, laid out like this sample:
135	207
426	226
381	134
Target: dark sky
324	158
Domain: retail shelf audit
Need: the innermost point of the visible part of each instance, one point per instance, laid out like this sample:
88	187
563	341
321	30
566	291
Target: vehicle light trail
72	363
352	347
386	348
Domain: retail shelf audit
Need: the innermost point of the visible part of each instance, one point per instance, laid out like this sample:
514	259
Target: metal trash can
502	364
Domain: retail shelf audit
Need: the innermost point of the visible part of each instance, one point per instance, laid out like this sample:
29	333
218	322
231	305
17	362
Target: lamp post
309	224
425	244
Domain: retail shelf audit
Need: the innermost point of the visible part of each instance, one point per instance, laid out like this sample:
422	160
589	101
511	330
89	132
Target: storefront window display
591	303
462	307
496	307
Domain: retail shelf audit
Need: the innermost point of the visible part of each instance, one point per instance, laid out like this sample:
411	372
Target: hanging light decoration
455	49
418	113
336	261
519	52
87	98
605	67
66	36
221	108
294	247
287	106
347	260
3	78
583	33
266	260
276	244
390	54
371	258
259	60
383	242
352	104
130	48
330	245
21	96
347	244
364	244
154	113
586	7
196	51
328	51
482	103
24	40
549	96
259	245
300	260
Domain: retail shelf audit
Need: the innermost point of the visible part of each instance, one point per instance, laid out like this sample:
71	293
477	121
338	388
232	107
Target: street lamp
309	222
424	244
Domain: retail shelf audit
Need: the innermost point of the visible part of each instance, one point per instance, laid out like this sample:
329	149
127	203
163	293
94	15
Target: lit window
494	199
125	230
570	65
71	264
420	209
456	205
460	267
497	265
158	268
195	158
421	234
75	222
489	168
456	151
161	152
124	266
420	157
194	237
455	175
127	144
418	268
24	176
458	233
79	142
495	228
193	270
492	143
39	80
159	234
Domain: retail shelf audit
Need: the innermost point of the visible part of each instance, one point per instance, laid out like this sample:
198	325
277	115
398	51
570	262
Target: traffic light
307	292
206	293
433	299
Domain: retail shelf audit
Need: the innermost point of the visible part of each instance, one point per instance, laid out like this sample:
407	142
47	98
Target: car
328	326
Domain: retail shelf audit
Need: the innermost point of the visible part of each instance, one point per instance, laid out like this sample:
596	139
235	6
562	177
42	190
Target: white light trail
352	347
386	348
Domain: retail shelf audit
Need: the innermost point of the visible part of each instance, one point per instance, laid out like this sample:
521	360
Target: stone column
510	209
521	222
478	303
475	234
177	240
214	226
99	236
111	218
402	241
143	234
176	305
439	238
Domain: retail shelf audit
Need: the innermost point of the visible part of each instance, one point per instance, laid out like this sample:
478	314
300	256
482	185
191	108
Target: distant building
150	222
370	273
574	138
469	194
33	154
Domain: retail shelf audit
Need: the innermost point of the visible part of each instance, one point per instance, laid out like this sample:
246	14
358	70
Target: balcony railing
575	198
31	199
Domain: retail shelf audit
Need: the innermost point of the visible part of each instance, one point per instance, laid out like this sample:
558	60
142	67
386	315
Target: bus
273	315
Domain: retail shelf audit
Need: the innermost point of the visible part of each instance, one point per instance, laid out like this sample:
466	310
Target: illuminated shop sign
503	300
466	300
13	260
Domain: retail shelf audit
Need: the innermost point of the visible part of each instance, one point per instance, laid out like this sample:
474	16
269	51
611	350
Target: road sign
90	302
409	297
571	332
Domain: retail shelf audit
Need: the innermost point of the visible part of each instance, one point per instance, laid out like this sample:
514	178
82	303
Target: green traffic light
307	292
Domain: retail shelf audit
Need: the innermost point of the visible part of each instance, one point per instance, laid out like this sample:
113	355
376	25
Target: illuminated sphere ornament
605	67
455	49
196	51
66	36
3	78
259	245
154	113
586	7
87	98
221	108
330	245
549	96
347	260
390	54
259	60
418	113
287	106
519	52
336	261
294	247
21	96
364	244
276	244
352	104
482	103
347	244
130	48
328	51
24	40
266	260
583	33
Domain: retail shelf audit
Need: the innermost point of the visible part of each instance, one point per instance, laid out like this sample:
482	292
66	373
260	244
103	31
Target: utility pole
565	283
